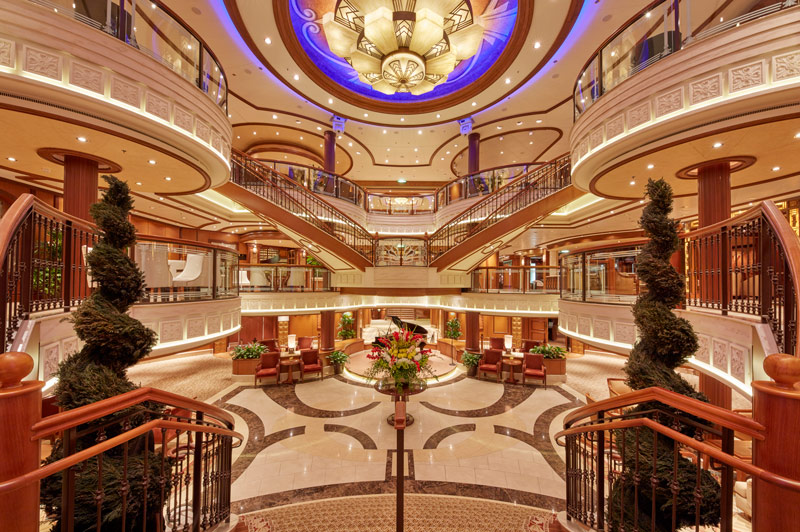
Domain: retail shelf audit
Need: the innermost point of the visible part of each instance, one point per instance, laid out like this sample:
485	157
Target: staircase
509	211
334	238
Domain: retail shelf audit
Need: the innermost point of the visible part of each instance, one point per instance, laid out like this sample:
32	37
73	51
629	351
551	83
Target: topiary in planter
113	341
666	341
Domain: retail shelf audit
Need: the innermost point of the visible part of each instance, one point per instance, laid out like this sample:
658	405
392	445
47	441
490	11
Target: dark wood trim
52	155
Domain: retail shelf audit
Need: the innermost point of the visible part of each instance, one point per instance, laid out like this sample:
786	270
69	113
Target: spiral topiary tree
113	342
666	341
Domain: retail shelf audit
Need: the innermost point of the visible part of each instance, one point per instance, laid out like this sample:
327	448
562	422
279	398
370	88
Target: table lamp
291	342
508	342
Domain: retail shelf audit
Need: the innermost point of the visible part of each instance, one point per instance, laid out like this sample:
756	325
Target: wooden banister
91	412
94	450
688	441
11	221
715	415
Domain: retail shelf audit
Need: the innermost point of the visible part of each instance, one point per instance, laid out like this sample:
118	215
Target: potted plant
555	358
338	359
246	357
452	330
346	331
471	361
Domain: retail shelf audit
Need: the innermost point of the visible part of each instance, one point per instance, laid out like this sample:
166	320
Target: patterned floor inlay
513	394
423	513
287	398
359	435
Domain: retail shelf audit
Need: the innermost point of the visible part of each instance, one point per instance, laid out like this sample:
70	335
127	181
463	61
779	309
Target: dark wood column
714	205
472	335
713	193
80	185
474	153
329	164
327	331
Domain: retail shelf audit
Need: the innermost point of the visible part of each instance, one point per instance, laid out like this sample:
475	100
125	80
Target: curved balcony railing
152	29
749	264
515	280
401	204
481	183
319	181
290	195
257	278
520	193
43	265
662	28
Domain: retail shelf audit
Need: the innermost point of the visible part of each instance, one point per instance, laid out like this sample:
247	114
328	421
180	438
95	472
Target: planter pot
245	366
472	371
338	369
556	366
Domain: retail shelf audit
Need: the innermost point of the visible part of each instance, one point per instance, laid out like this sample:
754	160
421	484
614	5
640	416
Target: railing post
726	502
724	270
26	279
764	299
20	408
67	262
197	476
214	274
601	474
69	443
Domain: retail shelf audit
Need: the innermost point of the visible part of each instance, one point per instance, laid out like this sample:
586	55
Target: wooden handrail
714	414
141	239
749	214
74	459
11	221
688	441
91	412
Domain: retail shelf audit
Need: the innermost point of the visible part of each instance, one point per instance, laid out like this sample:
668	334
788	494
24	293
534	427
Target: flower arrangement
401	356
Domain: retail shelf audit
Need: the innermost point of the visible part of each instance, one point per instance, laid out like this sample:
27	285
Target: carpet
423	513
197	377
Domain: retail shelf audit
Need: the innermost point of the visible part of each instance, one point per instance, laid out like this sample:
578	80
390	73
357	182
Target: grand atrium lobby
400	265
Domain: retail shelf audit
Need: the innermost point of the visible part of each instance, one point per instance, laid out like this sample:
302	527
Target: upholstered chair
497	343
533	367
491	362
310	362
527	345
268	367
304	344
271	345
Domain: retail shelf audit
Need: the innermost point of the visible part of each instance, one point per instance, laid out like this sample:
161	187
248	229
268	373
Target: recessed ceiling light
531	142
160	199
168	178
612	212
499	127
419	132
539	121
297	77
301	137
417	161
358	153
268	40
501	153
388	149
519	122
776	168
402	119
12	159
438	115
254	132
230	115
152	161
717	144
139	183
330	100
366	115
537	44
350	144
501	138
386	160
797	135
447	152
416	149
81	139
508	81
632	182
641	201
474	104
339	137
401	180
277	132
274	117
650	166
384	131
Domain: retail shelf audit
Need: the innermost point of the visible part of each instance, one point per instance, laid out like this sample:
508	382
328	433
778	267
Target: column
474	153
20	408
472	335
80	185
327	333
329	155
776	405
714	205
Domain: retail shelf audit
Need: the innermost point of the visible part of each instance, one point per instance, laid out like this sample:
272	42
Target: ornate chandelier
403	45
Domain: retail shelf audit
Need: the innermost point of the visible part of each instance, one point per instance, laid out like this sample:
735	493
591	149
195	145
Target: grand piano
400	324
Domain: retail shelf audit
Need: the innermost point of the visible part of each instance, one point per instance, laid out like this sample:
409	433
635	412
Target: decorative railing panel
401	252
515	280
481	183
520	193
283	278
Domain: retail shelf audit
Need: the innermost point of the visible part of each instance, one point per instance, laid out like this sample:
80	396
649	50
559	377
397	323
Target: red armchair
497	343
533	367
527	345
271	345
491	362
304	344
268	367
310	362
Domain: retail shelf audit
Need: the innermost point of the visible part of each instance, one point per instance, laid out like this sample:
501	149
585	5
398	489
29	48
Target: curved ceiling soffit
92	126
518	38
685	140
257	148
559	136
272	126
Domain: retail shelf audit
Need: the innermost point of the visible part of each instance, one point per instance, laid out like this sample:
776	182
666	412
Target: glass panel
587	89
227	274
174	272
163	38
213	81
572	277
611	276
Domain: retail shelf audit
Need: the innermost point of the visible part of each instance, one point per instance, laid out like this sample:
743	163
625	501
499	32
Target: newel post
20	408
776	405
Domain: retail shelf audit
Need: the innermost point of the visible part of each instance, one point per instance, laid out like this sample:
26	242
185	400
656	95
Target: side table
512	364
289	364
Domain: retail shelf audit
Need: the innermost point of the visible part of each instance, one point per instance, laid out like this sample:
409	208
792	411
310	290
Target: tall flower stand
399	420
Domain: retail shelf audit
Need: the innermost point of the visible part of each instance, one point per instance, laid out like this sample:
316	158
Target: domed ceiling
472	35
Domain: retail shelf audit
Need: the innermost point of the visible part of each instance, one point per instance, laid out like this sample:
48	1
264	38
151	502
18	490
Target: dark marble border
286	397
437	437
513	395
432	487
359	435
454	380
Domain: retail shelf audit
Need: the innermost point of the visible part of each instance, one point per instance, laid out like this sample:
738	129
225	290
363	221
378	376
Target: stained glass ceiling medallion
403	50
